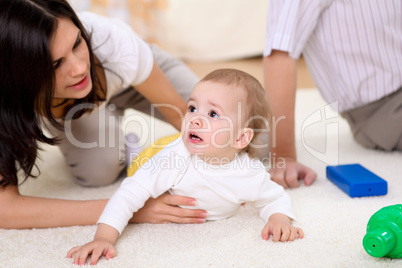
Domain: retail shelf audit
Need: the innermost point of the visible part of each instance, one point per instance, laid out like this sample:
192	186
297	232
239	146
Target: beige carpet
334	223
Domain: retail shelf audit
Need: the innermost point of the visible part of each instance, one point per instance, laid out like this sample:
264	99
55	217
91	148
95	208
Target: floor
254	67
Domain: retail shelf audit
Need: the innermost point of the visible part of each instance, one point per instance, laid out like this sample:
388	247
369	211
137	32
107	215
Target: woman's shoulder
120	50
104	31
87	17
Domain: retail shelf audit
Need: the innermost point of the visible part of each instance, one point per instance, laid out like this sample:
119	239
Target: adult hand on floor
289	173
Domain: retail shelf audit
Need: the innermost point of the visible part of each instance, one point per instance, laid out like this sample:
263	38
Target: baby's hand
97	248
279	226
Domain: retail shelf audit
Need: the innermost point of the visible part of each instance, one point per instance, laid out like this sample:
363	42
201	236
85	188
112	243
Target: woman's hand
165	209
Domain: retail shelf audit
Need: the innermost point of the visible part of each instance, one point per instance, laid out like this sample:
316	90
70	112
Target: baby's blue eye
213	114
192	109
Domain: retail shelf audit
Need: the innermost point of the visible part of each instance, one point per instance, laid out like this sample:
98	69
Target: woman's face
70	57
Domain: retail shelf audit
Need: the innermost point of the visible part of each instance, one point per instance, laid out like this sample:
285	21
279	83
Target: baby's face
213	120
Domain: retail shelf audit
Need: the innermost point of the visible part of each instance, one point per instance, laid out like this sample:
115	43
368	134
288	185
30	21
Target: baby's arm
279	225
102	244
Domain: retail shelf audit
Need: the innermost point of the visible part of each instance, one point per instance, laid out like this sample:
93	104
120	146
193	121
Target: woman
73	75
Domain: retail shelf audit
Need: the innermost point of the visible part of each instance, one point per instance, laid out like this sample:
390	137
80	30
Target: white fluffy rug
334	224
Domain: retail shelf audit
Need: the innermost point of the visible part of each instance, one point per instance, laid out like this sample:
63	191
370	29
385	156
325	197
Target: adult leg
94	146
378	125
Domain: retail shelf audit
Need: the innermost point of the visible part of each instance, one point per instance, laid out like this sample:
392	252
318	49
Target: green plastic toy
384	233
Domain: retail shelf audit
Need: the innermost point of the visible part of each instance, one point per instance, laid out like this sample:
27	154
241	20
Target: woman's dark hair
27	78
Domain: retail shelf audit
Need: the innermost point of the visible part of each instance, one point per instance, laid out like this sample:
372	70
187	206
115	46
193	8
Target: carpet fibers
334	223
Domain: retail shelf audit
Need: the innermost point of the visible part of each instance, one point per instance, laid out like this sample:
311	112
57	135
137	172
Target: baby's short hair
257	104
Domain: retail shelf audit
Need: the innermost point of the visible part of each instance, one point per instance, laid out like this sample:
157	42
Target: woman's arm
159	91
23	212
20	212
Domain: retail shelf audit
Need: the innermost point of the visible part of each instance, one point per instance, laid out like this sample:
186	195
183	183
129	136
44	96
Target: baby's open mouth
194	137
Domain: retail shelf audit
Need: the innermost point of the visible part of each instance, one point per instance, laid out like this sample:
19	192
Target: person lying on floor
211	160
75	75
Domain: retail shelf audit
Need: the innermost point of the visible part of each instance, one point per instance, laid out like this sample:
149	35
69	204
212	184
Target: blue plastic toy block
356	181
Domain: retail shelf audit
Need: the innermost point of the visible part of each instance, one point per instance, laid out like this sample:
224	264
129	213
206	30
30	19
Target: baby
210	161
